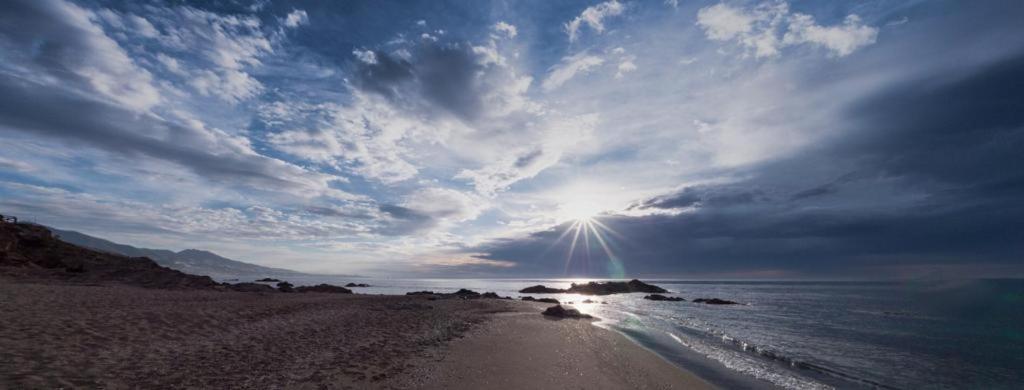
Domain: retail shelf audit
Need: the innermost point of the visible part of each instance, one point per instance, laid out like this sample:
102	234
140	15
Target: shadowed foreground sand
54	335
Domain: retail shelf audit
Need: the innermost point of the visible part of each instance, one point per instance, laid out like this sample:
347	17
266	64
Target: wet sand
69	336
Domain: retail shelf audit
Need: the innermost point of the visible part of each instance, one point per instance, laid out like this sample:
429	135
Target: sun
578	210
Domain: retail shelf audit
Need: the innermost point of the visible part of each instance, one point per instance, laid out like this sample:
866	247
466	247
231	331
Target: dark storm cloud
937	180
445	76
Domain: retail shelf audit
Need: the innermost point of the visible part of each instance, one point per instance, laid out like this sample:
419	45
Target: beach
89	336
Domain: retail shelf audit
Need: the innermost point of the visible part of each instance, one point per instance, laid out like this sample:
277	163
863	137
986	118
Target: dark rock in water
548	300
492	295
540	289
464	293
420	293
598	288
659	297
285	287
714	301
563	312
268	280
251	287
528	298
588	301
606	288
323	288
357	285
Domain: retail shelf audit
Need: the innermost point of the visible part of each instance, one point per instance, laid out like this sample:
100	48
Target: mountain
192	261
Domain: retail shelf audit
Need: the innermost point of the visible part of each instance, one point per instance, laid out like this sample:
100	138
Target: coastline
520	349
82	336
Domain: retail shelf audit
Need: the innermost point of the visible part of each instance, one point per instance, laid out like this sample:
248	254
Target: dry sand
66	336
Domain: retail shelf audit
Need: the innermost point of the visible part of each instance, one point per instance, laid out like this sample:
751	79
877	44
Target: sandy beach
75	336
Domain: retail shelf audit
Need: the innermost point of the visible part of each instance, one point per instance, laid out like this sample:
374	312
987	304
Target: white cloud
79	46
768	27
366	56
568	68
593	16
228	47
507	29
626	66
841	40
296	18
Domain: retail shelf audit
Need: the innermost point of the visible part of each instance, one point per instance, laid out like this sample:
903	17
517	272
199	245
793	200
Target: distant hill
192	261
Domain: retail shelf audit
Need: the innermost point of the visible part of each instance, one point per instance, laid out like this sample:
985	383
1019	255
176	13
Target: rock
562	312
606	288
598	288
659	297
714	301
323	288
285	287
464	293
420	293
588	301
528	298
548	300
251	287
492	295
268	280
540	289
357	285
73	264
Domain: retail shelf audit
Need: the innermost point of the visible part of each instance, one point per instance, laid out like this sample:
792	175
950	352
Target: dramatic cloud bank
678	138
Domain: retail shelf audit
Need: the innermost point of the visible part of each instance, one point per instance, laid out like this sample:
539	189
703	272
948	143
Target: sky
692	139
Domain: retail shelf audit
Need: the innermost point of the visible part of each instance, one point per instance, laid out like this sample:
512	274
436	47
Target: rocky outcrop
268	280
659	297
565	312
541	289
357	285
285	287
323	288
547	300
714	301
32	252
251	287
598	288
420	293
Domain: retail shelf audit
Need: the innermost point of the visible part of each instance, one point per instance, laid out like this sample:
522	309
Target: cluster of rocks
597	288
544	300
659	297
461	294
714	301
565	312
357	285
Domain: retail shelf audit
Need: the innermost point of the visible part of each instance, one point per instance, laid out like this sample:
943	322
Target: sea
965	334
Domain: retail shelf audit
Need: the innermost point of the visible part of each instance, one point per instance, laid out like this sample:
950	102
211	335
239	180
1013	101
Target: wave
773	355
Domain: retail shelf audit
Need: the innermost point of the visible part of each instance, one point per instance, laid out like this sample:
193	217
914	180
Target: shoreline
86	336
545	352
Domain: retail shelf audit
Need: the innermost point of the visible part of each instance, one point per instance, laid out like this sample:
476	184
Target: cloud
210	153
768	27
507	29
593	16
882	197
579	63
296	18
60	40
213	54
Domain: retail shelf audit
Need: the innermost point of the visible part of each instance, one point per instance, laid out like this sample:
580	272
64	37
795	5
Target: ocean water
805	335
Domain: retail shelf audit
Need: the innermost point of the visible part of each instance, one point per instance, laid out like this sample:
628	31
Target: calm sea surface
806	335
